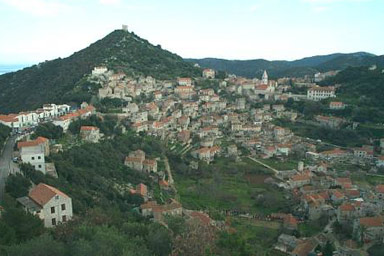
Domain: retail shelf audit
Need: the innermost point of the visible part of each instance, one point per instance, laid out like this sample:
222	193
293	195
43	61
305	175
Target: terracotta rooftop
89	128
32	143
347	207
371	221
380	189
43	193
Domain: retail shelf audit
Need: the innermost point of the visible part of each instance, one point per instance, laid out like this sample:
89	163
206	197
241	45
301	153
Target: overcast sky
32	31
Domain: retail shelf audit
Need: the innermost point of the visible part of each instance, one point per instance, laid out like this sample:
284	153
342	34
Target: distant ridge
301	67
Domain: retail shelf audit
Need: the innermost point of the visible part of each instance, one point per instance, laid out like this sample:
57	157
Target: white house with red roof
363	152
336	105
209	73
370	229
34	152
90	133
319	93
184	81
49	203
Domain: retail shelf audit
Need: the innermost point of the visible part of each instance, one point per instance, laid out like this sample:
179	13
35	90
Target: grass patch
367	179
280	165
260	238
239	188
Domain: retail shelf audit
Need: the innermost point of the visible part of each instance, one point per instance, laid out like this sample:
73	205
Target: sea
11	68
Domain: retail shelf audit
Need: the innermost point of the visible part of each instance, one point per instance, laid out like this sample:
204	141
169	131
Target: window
64	218
63	207
53	222
39	165
33	158
39	157
52	209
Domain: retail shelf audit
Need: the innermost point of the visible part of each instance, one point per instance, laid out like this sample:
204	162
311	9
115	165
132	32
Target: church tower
265	77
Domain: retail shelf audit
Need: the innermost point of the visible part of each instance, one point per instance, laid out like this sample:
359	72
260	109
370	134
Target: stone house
142	190
49	204
184	81
369	229
140	127
348	211
151	208
206	153
39	141
319	93
300	180
330	121
363	152
90	133
336	105
209	73
337	196
150	165
136	160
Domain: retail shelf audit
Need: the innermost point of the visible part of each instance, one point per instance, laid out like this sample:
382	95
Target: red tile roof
89	128
347	207
43	193
142	189
372	221
32	143
380	189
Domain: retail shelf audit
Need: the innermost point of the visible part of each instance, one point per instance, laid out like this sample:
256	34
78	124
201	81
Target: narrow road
265	165
168	169
6	165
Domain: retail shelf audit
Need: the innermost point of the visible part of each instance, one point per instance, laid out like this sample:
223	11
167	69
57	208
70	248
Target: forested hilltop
296	68
53	81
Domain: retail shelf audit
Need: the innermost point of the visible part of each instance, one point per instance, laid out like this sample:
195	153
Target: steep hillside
361	83
363	90
53	81
305	66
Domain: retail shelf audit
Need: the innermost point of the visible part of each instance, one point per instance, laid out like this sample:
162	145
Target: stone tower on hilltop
124	27
265	77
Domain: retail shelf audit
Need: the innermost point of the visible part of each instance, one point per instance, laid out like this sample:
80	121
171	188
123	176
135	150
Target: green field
260	238
229	185
280	165
367	180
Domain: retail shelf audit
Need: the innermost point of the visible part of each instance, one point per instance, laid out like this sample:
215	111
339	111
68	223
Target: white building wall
56	202
35	159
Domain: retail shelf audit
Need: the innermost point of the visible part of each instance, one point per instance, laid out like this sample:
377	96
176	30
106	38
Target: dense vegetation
4	132
61	80
94	176
364	89
107	125
49	131
306	66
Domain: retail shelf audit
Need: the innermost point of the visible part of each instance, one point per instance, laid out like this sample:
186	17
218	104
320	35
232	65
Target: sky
32	31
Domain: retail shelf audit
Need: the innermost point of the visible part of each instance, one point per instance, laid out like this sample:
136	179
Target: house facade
49	204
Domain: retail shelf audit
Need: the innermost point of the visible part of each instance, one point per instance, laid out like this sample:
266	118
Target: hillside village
204	119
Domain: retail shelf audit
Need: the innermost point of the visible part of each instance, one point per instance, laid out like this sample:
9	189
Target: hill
362	89
301	67
362	84
54	81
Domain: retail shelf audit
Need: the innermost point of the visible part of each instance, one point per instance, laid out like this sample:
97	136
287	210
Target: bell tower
265	77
